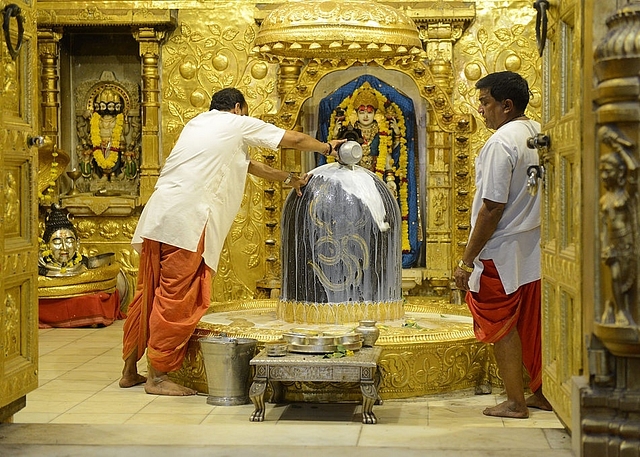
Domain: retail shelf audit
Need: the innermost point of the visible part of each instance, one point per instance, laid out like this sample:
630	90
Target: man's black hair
505	85
226	99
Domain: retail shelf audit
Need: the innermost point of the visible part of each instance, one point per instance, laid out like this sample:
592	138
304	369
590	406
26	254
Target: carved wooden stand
361	367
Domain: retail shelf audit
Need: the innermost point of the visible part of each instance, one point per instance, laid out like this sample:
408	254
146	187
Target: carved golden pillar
290	160
610	406
447	167
49	51
149	40
288	75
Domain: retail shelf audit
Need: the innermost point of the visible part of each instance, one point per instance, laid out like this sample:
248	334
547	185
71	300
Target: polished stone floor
79	410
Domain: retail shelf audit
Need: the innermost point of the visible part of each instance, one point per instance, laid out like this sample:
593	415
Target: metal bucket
226	363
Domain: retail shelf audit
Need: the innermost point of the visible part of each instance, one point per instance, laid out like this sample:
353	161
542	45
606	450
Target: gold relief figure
11	201
617	238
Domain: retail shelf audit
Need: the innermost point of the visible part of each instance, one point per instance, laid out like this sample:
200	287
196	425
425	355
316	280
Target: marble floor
79	410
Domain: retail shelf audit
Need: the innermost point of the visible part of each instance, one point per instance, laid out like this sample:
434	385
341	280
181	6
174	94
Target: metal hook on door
13	10
541	7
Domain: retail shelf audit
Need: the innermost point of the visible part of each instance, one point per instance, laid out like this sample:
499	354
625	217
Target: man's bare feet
539	401
161	385
129	380
506	410
130	376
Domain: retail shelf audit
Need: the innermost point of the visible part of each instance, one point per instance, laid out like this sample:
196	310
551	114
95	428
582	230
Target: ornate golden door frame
18	200
572	299
562	240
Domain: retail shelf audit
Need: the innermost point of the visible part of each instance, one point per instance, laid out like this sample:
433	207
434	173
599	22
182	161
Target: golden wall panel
210	50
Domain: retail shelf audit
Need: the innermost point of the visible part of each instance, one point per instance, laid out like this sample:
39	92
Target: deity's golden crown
365	97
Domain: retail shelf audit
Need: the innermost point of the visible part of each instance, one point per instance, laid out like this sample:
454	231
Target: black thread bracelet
330	150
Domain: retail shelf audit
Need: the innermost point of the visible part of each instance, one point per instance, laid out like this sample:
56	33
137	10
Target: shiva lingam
341	253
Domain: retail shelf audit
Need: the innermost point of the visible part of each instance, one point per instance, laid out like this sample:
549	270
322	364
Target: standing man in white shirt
183	226
500	267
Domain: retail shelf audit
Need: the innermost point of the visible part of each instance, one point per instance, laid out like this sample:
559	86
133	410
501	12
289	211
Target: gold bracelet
464	267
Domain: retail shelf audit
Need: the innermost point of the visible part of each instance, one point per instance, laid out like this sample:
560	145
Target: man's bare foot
505	410
539	401
131	380
161	385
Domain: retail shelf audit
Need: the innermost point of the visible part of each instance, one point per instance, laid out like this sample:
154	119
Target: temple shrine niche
108	132
384	120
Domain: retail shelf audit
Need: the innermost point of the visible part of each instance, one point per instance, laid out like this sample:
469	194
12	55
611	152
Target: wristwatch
288	180
464	267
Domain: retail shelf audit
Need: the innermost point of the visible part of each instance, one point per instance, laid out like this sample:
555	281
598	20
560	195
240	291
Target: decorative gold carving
51	12
609	403
320	29
91	281
12	210
607	420
618	169
618	316
331	313
11	322
49	50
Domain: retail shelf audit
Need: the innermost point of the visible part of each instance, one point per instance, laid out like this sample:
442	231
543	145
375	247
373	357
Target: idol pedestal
84	300
99	309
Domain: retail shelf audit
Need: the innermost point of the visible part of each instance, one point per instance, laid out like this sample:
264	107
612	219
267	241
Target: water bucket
226	363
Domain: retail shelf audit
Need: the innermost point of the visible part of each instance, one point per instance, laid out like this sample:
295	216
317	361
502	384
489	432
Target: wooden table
361	367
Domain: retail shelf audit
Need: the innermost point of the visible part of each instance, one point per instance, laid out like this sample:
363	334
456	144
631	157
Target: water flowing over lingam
341	250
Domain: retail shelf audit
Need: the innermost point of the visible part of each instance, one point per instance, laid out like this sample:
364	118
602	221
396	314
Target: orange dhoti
172	295
495	314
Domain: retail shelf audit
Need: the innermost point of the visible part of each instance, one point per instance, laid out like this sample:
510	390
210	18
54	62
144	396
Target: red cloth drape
172	295
83	311
495	313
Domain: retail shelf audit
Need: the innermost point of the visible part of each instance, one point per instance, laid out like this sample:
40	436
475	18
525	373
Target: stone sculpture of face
63	245
366	115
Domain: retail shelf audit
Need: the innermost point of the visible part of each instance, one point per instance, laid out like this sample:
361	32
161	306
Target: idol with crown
382	120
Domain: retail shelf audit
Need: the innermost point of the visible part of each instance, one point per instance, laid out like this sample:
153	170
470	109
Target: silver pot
349	153
101	260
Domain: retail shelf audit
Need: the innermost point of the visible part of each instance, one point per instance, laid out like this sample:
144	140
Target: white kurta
202	182
501	176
